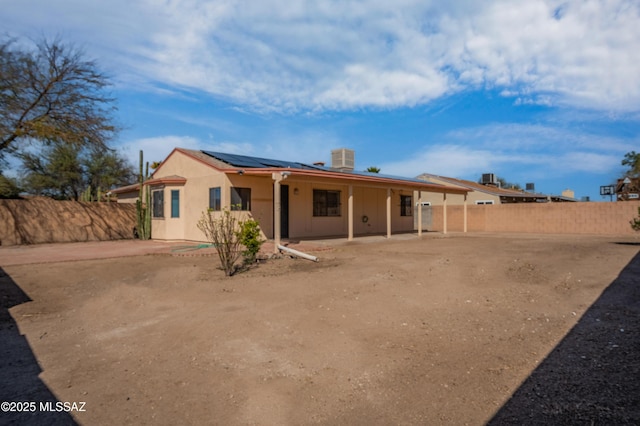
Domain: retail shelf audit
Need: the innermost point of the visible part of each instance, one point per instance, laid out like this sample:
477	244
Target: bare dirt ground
459	330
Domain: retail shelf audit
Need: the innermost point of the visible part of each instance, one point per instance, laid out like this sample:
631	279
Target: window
157	201
405	205
241	199
326	203
479	202
175	203
215	199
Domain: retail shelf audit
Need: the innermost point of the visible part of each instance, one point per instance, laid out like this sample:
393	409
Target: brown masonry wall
42	220
545	218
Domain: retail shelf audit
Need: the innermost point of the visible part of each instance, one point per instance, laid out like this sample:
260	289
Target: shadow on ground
19	368
592	376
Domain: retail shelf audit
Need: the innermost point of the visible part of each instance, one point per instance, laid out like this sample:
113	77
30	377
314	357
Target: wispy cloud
157	148
333	55
519	151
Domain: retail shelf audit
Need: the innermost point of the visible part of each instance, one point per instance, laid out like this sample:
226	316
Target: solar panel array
237	160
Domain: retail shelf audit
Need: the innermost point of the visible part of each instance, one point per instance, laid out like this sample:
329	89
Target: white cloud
306	146
327	54
157	148
521	152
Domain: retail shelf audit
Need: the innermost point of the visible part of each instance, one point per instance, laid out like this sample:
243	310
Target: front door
284	211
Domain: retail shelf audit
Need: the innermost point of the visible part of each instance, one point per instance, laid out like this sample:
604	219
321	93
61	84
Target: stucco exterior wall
194	197
369	201
128	197
550	218
456	199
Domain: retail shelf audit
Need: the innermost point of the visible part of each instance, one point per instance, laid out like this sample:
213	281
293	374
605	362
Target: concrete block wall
545	218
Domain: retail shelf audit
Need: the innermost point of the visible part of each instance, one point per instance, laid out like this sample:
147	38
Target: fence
43	220
546	218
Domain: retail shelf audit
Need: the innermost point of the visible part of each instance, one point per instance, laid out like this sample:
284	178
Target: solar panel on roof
237	160
234	159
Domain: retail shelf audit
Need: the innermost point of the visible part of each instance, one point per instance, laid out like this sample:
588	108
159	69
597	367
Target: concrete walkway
61	252
65	252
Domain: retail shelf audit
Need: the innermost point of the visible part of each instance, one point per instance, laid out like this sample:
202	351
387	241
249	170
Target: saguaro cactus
143	209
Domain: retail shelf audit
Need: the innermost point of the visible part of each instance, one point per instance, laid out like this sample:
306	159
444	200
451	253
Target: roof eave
345	176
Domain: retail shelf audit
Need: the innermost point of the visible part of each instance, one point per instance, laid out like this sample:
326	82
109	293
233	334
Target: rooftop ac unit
343	159
489	179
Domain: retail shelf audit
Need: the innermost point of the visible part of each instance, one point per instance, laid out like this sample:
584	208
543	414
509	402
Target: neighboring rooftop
507	195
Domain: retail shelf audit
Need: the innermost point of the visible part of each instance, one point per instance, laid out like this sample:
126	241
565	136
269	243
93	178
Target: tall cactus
143	210
86	194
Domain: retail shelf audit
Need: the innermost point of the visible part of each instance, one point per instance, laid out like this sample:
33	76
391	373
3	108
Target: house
488	192
288	199
627	188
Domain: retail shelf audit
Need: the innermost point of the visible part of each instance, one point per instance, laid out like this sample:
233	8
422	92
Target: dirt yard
459	330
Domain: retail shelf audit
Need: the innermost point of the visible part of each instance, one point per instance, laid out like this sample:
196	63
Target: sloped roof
125	189
506	194
488	189
243	164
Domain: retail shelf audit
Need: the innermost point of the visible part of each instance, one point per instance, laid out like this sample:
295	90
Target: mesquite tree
50	92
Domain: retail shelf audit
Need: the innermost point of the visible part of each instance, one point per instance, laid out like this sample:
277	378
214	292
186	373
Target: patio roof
242	164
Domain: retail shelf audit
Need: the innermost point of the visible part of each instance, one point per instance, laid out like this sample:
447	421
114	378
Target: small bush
222	233
249	236
635	222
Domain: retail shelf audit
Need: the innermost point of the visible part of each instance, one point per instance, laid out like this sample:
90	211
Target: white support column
277	177
388	212
419	213
350	213
465	212
444	213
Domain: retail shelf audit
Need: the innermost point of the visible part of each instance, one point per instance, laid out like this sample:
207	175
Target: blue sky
534	91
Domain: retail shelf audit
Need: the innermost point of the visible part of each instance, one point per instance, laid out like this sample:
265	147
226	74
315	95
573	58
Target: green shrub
249	236
635	222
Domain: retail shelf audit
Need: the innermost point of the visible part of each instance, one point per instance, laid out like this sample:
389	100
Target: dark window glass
405	205
175	203
215	199
241	199
157	201
326	203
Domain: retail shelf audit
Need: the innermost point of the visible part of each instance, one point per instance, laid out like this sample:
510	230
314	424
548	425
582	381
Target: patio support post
350	214
277	177
465	212
419	213
444	213
388	212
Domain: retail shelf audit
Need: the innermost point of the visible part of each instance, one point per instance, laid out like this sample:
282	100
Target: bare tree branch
52	93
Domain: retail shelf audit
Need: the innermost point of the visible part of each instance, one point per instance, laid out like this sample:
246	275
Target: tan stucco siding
128	197
455	199
261	199
367	201
194	197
